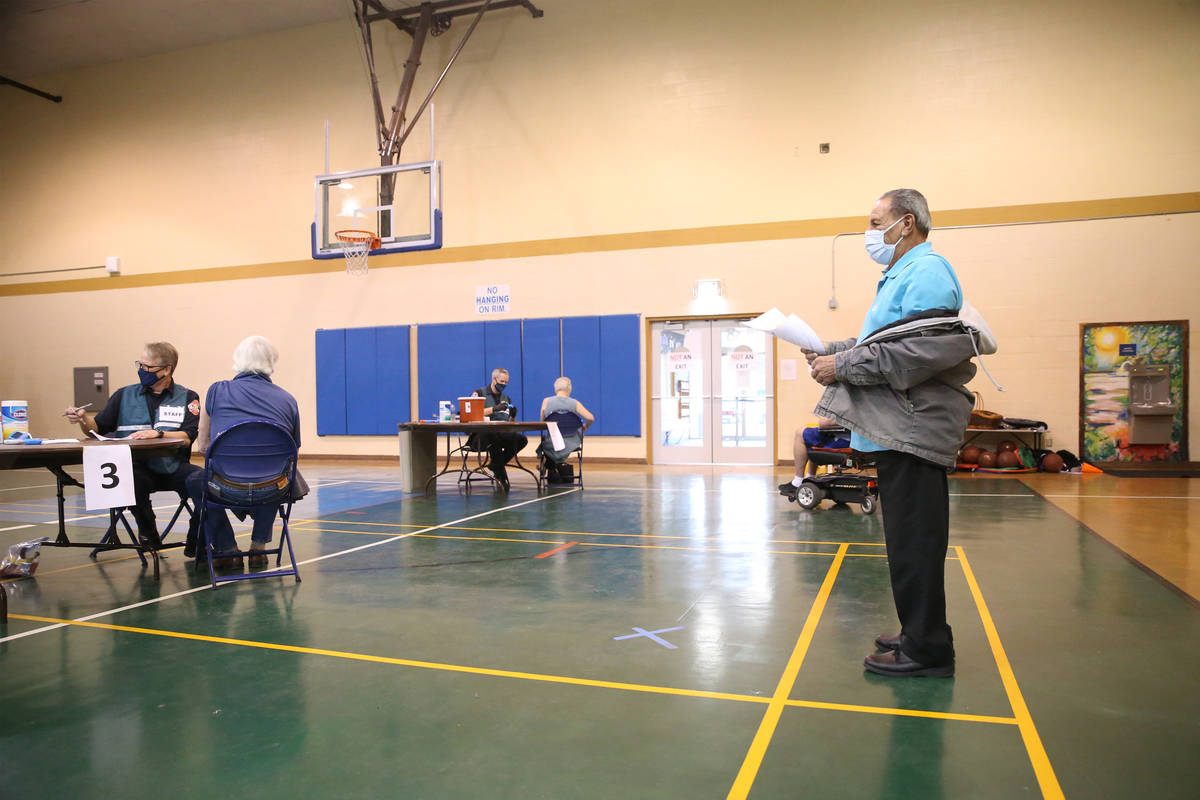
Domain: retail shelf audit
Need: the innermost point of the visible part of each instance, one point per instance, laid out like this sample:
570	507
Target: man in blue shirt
926	396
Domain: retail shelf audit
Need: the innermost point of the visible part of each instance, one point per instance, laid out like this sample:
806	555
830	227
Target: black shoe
788	491
894	664
149	542
888	642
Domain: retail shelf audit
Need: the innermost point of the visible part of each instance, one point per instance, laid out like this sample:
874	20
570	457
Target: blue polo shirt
920	281
251	395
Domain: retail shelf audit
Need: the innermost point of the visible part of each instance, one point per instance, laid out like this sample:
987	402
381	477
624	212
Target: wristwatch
159	432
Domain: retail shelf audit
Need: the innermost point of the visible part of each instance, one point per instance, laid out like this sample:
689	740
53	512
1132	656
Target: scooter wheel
869	504
809	495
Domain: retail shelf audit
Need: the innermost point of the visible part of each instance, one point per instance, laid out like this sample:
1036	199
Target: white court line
1125	496
39	486
15	528
366	546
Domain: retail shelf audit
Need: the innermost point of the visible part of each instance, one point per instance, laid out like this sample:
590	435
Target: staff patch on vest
194	407
170	414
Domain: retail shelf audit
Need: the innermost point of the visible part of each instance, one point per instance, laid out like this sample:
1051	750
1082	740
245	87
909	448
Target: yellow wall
634	146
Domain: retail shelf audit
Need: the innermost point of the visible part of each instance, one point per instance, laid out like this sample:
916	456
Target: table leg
418	459
62	478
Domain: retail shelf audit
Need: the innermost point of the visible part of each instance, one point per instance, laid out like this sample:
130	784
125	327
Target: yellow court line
1033	743
586	533
533	676
403	662
904	712
766	729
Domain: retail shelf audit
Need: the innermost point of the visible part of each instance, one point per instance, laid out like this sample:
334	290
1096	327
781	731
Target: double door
712	398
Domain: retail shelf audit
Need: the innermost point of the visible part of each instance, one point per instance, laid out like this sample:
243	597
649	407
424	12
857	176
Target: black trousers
501	447
146	481
915	499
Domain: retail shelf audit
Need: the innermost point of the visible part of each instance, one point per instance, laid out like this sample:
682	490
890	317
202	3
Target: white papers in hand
556	438
790	328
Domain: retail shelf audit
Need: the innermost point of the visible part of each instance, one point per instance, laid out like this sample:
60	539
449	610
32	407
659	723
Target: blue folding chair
569	423
252	455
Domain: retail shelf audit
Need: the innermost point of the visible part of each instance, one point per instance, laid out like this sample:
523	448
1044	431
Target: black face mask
500	387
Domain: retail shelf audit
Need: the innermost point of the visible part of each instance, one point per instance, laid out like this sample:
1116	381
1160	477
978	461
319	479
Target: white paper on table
101	437
556	436
60	441
791	329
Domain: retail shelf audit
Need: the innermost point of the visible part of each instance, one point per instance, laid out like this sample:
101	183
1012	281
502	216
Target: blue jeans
260	504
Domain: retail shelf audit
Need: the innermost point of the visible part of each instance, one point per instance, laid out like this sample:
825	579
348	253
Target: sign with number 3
107	476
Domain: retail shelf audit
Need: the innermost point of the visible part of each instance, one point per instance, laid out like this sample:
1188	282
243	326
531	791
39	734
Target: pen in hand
81	408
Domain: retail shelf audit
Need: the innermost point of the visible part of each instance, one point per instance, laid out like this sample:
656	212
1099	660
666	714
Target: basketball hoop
356	246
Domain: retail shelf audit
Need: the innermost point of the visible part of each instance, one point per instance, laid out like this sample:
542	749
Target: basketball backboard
401	204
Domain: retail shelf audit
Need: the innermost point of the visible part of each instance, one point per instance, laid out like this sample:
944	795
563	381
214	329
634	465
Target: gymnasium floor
488	646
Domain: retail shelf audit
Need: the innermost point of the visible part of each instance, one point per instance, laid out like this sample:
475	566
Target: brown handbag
981	418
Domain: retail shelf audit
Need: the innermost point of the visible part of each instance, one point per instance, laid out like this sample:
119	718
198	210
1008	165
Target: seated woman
249	396
562	401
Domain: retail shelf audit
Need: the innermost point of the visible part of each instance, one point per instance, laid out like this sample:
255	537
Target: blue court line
651	635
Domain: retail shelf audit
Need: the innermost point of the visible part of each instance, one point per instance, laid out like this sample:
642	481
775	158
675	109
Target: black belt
279	483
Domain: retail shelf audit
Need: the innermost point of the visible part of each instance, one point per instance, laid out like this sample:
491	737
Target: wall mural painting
1109	353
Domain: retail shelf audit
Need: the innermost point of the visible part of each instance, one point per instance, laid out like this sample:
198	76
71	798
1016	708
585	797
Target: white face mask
879	251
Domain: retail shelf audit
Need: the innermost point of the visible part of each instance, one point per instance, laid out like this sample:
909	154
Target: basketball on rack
1007	444
969	455
987	459
1007	459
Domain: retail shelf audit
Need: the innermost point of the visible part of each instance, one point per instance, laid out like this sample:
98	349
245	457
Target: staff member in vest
154	408
497	405
251	395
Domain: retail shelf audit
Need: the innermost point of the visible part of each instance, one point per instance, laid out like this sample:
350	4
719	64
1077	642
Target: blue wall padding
540	362
331	382
581	363
502	348
392	378
620	376
363	374
450	364
362	402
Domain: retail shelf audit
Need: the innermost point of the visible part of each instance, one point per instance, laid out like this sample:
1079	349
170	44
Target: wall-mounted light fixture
708	296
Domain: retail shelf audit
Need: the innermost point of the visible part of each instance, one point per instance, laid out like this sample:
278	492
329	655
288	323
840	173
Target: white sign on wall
491	300
107	476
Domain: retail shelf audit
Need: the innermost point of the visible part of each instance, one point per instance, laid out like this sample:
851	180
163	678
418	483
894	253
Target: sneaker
788	490
257	560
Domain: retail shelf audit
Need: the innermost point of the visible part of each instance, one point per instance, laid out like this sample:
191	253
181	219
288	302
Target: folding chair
569	424
251	455
117	515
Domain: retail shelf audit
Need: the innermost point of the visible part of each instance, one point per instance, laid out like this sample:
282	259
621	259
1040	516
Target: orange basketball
1007	459
1052	462
1007	444
987	459
969	455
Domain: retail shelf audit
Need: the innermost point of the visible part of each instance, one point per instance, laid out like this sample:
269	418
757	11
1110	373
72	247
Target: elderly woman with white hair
250	395
562	401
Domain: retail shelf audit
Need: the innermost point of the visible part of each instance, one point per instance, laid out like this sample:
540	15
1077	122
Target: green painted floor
429	653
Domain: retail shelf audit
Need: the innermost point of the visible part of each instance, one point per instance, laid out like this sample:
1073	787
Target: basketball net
355	246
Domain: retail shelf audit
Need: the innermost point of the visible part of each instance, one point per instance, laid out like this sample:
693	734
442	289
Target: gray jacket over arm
904	386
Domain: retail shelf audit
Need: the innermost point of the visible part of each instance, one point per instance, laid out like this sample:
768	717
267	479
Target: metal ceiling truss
419	22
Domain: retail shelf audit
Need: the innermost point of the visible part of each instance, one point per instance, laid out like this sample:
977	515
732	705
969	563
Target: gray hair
255	354
498	371
563	384
910	201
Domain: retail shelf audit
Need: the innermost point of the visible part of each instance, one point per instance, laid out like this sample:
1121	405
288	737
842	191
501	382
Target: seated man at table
501	447
156	407
562	401
250	395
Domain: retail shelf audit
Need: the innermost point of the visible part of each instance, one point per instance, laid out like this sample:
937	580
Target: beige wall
567	134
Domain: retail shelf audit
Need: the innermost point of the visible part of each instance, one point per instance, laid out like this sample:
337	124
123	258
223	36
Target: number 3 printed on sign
107	476
110	473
